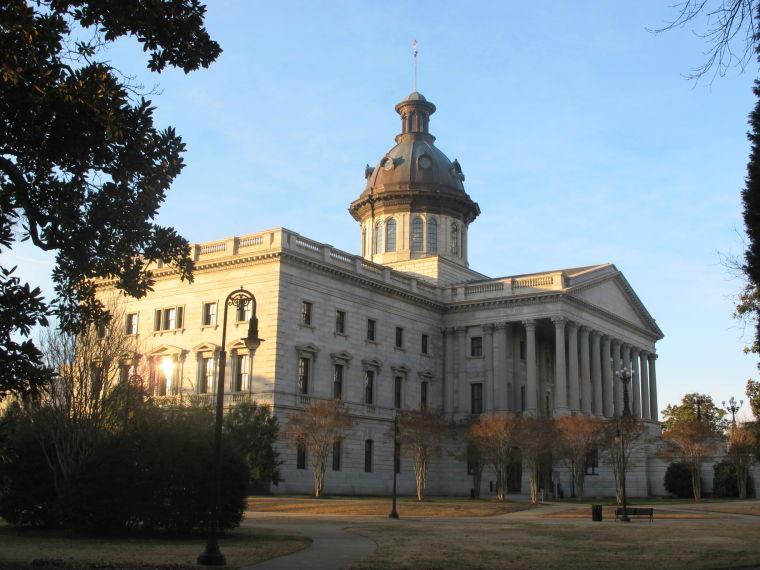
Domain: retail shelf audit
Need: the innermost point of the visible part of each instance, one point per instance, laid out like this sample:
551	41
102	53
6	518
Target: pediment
613	294
402	369
205	347
308	348
166	350
372	363
341	356
425	374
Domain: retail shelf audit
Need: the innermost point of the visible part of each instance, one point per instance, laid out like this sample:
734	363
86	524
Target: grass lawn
381	506
19	547
562	544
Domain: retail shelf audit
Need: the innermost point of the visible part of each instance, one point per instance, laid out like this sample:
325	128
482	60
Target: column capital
584	330
529	323
596	334
617	343
653	356
559	320
500	326
643	353
488	327
460	329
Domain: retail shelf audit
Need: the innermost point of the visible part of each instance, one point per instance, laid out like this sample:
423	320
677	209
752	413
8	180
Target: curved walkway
332	548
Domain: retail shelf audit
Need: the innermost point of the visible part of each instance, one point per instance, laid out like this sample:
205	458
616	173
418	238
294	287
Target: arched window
454	238
364	241
390	235
432	245
379	237
417	234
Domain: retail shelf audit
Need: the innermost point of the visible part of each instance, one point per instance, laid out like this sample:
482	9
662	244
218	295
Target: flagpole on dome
414	51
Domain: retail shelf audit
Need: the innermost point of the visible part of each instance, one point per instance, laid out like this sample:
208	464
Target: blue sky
577	132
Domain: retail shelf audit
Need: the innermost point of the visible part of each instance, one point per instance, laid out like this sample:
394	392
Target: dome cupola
414	203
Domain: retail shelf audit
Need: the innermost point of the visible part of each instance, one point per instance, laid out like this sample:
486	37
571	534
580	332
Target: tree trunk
319	479
741	480
421	469
696	483
580	480
534	482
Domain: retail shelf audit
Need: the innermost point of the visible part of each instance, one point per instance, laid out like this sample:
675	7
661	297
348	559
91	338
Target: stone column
636	382
461	397
617	386
585	372
448	370
653	409
596	373
645	385
560	375
572	398
500	366
607	379
490	389
531	384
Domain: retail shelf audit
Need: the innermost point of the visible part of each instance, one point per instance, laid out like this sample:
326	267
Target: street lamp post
625	375
732	408
240	299
394	514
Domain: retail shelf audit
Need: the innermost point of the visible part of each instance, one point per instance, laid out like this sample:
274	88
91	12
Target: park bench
636	512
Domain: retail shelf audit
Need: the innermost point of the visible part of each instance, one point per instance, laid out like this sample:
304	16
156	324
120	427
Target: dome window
425	162
432	237
378	237
417	233
454	238
388	163
390	235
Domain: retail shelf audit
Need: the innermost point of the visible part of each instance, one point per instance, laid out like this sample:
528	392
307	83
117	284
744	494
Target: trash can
596	513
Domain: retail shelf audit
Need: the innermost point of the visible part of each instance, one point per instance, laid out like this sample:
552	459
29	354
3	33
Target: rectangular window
244	313
368	456
369	387
371	329
424	394
124	370
209	314
306	313
399	337
476	398
397	457
303	375
338	382
476	346
132	323
424	347
242	366
522	350
340	322
301	457
397	388
168	319
336	455
592	462
206	376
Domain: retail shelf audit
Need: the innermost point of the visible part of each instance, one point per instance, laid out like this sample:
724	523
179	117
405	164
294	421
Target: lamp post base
393	515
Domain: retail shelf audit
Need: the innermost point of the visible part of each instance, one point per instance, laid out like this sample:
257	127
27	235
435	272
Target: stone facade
407	312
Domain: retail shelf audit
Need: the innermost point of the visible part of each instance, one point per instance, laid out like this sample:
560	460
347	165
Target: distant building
405	324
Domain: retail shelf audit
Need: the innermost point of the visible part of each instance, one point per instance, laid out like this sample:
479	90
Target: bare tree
495	436
317	428
578	437
730	30
620	438
691	442
420	434
536	437
82	402
740	451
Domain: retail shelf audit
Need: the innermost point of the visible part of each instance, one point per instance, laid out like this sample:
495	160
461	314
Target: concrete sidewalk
332	548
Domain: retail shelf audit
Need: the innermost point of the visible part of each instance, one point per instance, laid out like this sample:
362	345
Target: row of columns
591	386
585	366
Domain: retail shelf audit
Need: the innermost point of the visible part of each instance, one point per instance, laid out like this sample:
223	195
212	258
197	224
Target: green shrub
678	480
158	476
725	483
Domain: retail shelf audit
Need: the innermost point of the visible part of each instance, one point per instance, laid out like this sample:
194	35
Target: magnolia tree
536	437
419	436
494	437
740	451
619	438
578	437
317	428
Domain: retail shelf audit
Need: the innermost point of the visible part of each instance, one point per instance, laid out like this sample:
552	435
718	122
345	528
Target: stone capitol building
404	324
